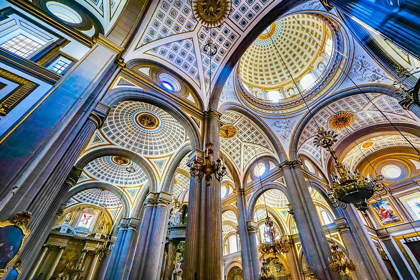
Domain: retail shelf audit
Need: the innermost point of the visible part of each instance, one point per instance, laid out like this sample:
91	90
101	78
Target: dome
98	197
290	56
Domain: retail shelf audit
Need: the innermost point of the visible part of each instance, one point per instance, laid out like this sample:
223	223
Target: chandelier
340	263
265	272
200	167
349	186
270	243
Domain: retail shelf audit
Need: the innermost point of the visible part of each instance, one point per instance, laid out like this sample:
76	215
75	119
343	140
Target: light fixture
349	186
270	243
200	167
340	263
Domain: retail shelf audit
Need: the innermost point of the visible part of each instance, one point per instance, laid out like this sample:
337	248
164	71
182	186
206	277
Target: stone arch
231	208
323	192
367	88
136	94
118	151
276	216
171	172
91	185
233	171
263	158
281	10
280	152
254	197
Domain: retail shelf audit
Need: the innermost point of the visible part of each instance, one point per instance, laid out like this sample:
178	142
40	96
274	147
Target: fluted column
248	258
293	262
360	246
204	241
94	267
55	263
311	234
395	20
127	248
252	233
49	199
148	258
116	250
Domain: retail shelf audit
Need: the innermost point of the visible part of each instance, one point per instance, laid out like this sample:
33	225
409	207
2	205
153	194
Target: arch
106	213
236	180
232	208
167	184
261	159
92	185
366	88
117	95
254	197
114	150
276	12
323	192
138	206
280	152
276	216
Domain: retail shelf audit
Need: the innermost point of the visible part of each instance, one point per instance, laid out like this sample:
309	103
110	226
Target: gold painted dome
301	41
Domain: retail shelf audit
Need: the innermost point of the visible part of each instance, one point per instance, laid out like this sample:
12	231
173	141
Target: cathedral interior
209	139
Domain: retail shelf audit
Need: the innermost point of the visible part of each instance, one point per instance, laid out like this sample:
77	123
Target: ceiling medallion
367	144
147	120
341	120
228	131
211	13
119	160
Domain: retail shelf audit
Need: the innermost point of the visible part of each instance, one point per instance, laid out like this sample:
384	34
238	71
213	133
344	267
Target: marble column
204	226
148	258
400	262
311	234
252	233
293	262
249	259
117	250
55	263
360	247
170	259
397	21
49	198
127	248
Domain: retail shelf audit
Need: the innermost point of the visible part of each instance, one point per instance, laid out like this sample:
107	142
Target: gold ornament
211	13
228	131
341	120
119	160
146	120
341	264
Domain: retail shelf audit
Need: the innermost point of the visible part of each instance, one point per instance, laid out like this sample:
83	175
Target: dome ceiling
274	198
143	128
116	170
261	66
99	197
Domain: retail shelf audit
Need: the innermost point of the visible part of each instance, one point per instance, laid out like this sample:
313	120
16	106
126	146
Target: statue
175	219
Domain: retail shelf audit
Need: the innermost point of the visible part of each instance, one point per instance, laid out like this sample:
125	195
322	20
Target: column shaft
116	251
39	263
397	21
170	260
311	234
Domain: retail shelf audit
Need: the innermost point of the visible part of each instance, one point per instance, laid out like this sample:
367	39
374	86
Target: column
395	20
116	250
252	233
127	248
81	259
360	247
55	263
203	253
40	262
93	267
400	263
311	234
148	259
293	262
49	198
249	258
170	260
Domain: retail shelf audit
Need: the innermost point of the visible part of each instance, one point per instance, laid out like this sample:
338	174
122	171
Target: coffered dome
294	43
98	197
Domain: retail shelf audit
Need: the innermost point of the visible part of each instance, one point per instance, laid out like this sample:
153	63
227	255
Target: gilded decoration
13	235
341	120
211	13
228	131
13	98
119	160
147	120
367	144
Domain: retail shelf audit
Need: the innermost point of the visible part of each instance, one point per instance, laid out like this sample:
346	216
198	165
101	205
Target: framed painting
411	204
385	212
13	235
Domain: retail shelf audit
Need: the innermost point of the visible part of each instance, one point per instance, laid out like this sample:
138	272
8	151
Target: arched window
326	218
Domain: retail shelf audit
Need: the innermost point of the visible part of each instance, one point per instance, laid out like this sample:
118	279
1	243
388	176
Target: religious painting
385	212
85	220
12	239
411	203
